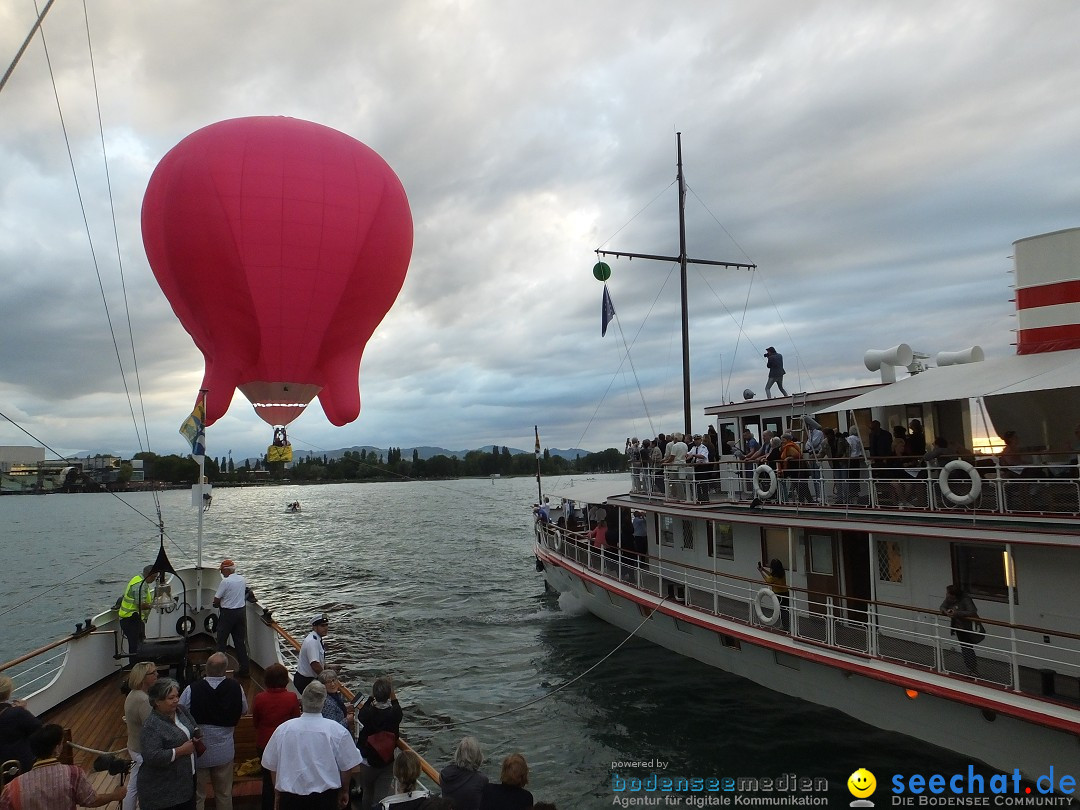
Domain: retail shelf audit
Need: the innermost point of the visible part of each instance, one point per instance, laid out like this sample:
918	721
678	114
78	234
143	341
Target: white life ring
771	474
972	474
765	600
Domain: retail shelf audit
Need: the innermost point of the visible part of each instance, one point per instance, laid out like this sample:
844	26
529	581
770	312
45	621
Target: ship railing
1039	661
51	674
1046	483
289	648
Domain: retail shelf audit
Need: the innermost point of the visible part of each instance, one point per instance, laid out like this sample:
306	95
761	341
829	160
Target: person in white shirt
310	758
699	454
231	599
312	654
676	456
217	703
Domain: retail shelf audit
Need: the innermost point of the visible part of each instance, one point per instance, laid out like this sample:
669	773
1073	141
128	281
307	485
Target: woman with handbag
170	741
380	722
963	618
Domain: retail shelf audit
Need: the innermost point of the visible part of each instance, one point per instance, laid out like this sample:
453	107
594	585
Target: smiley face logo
862	783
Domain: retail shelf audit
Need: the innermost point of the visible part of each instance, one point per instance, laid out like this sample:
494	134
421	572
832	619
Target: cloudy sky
875	160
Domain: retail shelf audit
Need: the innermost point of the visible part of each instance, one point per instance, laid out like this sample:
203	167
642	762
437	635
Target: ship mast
683	262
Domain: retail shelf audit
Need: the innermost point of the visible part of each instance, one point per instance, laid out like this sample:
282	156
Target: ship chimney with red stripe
1048	292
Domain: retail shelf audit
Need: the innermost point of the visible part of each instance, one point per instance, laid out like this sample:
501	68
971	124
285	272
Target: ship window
667	530
979	570
687	534
890	561
720	540
775	545
730	641
821	554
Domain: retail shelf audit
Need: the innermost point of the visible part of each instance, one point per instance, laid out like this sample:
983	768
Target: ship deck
96	721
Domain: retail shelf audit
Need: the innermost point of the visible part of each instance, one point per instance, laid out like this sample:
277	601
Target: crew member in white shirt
312	654
230	599
311	758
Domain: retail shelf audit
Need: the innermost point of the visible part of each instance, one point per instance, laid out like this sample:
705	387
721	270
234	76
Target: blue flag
608	312
194	429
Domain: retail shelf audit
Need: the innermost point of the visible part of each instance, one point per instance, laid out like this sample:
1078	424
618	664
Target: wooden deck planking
96	720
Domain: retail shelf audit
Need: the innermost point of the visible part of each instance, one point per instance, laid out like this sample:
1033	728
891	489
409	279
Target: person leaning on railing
961	610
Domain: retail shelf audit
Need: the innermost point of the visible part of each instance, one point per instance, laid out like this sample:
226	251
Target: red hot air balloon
280	244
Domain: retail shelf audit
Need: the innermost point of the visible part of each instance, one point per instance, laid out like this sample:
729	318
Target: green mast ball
601	272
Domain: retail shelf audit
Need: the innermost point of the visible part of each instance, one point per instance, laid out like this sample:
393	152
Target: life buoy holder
210	623
766	606
770	474
973	474
185	626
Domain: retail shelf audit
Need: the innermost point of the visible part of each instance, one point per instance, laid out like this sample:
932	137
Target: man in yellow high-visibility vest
135	607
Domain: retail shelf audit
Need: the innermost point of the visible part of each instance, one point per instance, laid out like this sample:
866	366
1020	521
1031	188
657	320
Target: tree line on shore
362	465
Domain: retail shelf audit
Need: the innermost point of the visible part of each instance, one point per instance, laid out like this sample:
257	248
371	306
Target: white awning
587	490
1014	374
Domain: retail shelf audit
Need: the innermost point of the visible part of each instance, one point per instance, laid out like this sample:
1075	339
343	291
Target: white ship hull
1005	743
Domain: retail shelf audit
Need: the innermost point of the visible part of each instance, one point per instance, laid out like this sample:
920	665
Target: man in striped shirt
52	785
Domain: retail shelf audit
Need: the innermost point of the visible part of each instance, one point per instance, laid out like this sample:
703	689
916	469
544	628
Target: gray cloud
875	161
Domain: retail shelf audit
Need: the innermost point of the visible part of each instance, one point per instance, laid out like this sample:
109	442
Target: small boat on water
868	542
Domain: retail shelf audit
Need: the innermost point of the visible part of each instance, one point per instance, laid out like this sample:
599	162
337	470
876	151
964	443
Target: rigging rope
56	586
78	747
26	43
570	682
627	358
799	366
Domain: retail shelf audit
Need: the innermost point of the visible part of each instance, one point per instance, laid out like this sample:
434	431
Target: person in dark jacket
167	777
510	793
774	361
462	780
17	723
962	613
380	718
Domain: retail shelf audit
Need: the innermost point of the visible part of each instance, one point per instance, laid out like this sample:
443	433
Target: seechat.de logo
862	785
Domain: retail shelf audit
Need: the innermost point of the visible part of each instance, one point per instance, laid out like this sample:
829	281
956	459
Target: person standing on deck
963	614
312	654
774	361
135	607
310	758
231	599
136	709
776	578
216	702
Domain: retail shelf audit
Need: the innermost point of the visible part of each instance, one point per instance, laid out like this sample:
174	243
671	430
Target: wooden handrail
425	766
22	659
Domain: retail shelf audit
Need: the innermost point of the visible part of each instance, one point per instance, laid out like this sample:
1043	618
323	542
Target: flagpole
539	489
194	430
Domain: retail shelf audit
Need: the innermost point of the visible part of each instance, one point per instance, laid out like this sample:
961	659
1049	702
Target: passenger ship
868	558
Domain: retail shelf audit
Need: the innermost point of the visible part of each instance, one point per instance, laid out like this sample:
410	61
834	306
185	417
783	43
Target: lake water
434	584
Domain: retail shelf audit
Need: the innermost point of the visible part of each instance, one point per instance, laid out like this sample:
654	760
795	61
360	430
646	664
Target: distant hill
427	452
